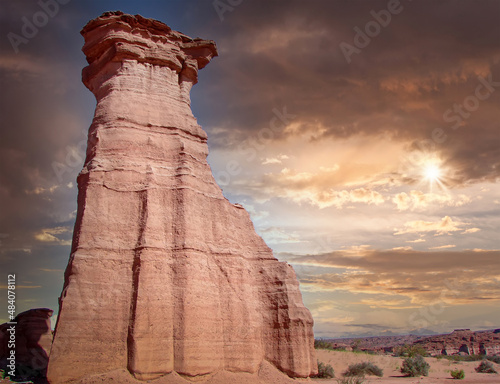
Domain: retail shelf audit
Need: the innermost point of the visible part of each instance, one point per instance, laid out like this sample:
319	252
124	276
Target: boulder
33	339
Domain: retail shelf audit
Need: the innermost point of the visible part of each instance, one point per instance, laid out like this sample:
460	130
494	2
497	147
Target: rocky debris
165	275
33	339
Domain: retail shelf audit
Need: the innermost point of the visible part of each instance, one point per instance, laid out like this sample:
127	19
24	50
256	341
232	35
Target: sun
427	169
432	172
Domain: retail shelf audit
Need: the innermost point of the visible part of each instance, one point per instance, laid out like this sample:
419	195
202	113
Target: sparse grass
325	371
322	344
415	366
458	374
364	369
486	367
465	358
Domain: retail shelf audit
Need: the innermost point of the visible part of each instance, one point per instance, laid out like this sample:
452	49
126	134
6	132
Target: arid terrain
439	372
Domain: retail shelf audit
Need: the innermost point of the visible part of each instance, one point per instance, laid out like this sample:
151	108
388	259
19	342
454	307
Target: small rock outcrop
165	275
33	338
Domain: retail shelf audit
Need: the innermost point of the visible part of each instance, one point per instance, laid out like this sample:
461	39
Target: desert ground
439	373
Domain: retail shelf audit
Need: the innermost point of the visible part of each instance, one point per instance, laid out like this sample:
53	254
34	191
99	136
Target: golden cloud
406	278
444	226
417	200
47	235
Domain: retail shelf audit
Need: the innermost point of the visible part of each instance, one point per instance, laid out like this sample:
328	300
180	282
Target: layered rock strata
165	274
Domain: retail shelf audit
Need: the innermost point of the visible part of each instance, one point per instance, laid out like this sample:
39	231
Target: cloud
418	200
39	190
443	246
22	65
275	160
48	235
444	226
313	188
416	241
407	277
51	270
471	230
274	235
400	85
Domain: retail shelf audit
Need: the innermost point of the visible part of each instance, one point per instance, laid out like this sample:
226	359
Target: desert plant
415	366
322	344
351	380
486	367
356	345
325	371
458	374
410	350
363	369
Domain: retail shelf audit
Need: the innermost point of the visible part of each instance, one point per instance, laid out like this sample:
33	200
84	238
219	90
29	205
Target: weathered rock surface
463	341
165	275
33	339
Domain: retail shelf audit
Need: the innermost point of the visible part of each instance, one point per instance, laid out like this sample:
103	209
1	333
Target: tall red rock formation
165	274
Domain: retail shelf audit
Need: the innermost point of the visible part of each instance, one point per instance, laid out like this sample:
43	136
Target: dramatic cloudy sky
369	163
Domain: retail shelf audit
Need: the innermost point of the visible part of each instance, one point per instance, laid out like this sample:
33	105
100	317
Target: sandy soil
439	372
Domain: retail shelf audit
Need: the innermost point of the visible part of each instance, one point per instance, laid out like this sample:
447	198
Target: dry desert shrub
458	374
325	371
415	366
486	367
364	369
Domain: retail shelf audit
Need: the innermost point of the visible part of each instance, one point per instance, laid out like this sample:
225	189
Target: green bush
363	369
458	374
325	371
486	367
351	380
415	366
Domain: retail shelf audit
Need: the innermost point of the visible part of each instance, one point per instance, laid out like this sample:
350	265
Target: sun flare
432	172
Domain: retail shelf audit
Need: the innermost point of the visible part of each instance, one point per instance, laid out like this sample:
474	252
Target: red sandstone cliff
165	274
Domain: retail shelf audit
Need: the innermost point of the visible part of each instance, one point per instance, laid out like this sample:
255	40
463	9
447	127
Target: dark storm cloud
428	58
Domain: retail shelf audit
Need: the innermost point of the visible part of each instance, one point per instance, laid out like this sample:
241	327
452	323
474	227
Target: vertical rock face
165	274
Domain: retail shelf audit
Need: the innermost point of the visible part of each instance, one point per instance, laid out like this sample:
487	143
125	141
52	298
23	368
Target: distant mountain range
460	341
